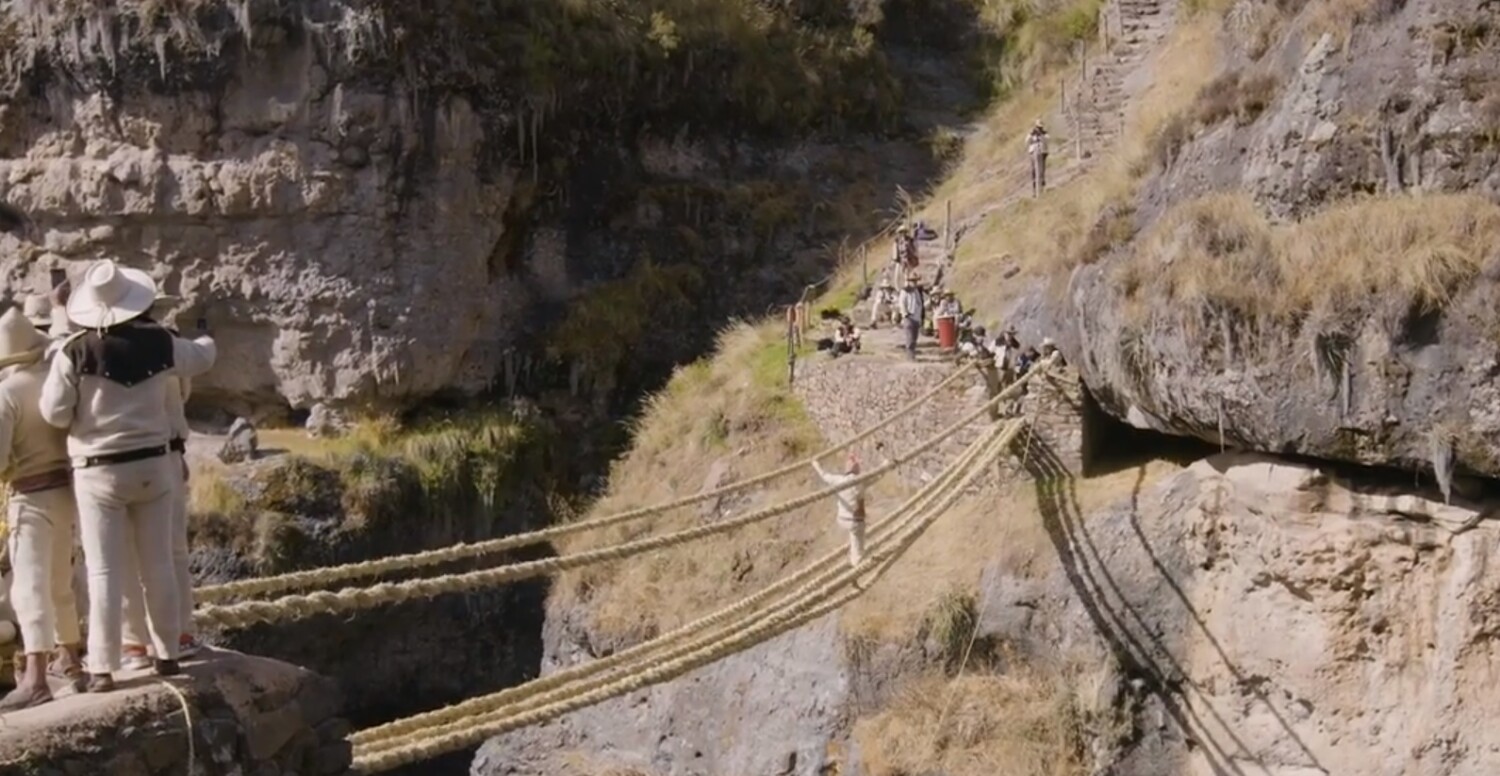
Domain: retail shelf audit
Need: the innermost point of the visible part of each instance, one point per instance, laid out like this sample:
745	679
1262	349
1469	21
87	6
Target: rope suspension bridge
823	586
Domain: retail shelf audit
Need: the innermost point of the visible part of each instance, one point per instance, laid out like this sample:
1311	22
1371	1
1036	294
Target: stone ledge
250	716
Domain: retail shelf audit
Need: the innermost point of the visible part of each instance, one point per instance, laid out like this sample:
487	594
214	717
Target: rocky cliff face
1268	617
313	218
373	206
1398	102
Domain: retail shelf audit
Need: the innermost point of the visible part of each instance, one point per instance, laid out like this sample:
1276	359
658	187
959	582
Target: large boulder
1393	361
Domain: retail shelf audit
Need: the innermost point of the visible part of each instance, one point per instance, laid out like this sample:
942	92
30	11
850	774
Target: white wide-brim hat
19	338
110	295
38	309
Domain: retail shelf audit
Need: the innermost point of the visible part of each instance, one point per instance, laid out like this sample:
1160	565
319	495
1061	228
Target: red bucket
947	333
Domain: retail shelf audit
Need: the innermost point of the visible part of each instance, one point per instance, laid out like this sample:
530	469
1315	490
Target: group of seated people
1005	351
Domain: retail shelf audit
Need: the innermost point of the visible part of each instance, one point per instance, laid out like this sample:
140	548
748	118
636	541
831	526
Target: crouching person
42	517
108	387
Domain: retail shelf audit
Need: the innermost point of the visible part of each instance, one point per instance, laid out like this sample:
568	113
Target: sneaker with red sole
188	646
136	657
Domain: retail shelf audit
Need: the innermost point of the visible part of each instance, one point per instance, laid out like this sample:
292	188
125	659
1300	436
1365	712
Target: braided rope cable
792	615
322	576
673	644
294	607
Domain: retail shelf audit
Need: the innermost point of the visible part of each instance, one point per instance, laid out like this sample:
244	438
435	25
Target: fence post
947	226
791	348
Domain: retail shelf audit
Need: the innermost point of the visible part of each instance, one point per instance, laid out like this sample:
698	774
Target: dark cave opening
1111	445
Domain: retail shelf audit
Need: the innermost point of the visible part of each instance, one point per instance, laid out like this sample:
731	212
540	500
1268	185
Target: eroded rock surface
1395	107
1263	617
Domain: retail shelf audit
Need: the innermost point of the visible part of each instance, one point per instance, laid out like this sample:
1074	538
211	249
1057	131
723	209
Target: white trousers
136	630
856	529
41	550
123	507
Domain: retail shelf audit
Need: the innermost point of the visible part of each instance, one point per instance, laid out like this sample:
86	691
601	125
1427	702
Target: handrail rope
834	558
519	699
792	615
678	641
379	566
251	612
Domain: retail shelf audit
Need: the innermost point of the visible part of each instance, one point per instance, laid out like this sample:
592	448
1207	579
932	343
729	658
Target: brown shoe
101	683
167	668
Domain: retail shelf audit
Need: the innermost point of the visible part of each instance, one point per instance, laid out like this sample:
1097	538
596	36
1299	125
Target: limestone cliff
1337	307
374	204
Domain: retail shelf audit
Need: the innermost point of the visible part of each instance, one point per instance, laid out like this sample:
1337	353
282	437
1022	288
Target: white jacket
103	416
850	499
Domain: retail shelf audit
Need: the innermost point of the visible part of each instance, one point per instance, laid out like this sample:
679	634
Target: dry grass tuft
728	411
980	725
1221	253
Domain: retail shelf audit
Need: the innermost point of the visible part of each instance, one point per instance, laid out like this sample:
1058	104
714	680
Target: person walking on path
108	387
41	515
137	634
913	312
1036	148
851	505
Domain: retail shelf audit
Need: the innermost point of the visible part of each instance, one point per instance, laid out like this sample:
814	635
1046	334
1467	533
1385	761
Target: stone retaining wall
249	716
846	395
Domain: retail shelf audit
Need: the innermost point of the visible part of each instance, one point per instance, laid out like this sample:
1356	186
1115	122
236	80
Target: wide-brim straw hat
111	295
19	338
38	309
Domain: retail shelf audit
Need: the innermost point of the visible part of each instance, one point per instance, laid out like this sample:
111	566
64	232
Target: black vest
130	353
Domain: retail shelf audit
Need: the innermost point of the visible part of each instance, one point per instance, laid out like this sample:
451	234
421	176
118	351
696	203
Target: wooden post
947	225
791	348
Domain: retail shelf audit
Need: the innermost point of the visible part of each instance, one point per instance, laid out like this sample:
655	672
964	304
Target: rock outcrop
227	714
1402	102
372	204
775	709
1260	616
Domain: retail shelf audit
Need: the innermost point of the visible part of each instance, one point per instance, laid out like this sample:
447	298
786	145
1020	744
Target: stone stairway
1094	118
1138	27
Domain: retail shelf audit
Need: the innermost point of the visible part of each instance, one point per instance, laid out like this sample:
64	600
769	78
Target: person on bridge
913	312
1036	148
851	505
108	387
41	514
137	634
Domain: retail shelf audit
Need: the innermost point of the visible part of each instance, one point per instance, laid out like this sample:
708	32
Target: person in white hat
41	513
137	635
108	386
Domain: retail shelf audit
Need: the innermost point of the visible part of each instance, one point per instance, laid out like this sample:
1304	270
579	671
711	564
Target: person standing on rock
137	635
1036	148
108	387
913	312
851	505
41	514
